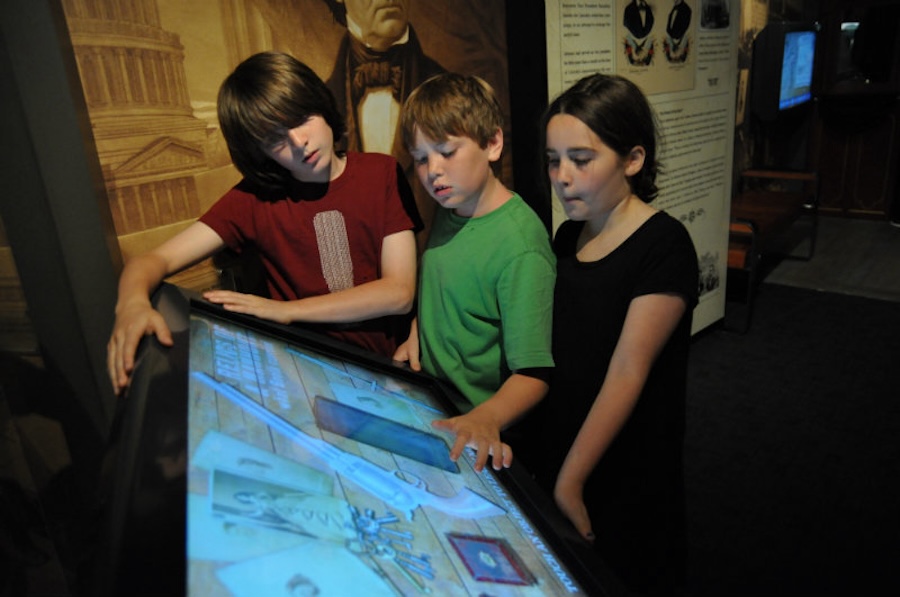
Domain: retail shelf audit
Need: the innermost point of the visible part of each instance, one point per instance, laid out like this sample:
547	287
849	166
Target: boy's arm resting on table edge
391	294
135	316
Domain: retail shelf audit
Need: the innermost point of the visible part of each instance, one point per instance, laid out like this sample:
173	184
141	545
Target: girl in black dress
626	287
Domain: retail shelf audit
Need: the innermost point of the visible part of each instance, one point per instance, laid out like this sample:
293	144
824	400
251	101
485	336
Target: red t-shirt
321	238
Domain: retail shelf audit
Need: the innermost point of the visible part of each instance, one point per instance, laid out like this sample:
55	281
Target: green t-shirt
486	298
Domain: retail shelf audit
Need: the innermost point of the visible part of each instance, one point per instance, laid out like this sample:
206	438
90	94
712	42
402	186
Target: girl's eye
553	162
581	162
419	160
448	154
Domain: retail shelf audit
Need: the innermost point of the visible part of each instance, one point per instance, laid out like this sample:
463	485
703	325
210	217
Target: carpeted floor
793	449
858	257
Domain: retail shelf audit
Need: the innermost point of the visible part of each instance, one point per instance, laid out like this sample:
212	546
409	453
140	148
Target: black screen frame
144	535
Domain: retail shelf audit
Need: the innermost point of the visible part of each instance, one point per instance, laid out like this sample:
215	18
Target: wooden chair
765	208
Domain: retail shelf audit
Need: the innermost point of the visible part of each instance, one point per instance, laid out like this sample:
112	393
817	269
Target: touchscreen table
316	474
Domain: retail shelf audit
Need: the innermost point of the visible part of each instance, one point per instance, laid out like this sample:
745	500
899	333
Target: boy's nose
434	167
297	138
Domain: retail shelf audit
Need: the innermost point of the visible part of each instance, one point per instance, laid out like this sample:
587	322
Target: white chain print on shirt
334	250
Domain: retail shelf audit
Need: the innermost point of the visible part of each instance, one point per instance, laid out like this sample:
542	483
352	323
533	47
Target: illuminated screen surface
312	475
797	68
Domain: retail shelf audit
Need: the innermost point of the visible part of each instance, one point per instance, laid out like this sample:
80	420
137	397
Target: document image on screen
339	457
373	430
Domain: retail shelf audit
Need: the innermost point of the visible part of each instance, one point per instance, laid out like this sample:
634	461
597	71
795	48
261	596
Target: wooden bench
767	204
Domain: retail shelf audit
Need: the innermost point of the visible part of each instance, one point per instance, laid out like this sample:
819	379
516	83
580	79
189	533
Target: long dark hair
267	92
619	113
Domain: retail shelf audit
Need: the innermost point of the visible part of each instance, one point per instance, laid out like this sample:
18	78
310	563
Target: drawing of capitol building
148	141
151	147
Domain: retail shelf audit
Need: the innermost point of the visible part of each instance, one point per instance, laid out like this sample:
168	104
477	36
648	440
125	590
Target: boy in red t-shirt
335	231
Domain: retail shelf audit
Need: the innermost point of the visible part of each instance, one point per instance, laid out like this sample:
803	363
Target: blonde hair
452	104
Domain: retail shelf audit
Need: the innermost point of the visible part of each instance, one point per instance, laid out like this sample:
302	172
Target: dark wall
850	134
527	47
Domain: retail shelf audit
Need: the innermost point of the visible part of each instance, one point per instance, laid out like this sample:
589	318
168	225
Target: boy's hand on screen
480	434
132	324
250	304
408	352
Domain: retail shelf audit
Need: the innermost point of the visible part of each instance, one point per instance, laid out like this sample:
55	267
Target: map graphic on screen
313	475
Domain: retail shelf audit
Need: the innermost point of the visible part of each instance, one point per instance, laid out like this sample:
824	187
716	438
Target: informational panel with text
683	55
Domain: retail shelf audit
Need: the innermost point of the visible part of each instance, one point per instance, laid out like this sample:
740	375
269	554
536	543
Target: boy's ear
495	146
634	161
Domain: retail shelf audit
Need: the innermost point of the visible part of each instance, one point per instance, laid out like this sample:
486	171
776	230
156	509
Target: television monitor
289	462
796	69
783	65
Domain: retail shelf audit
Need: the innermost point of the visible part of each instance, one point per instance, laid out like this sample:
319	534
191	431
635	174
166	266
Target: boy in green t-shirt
487	274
